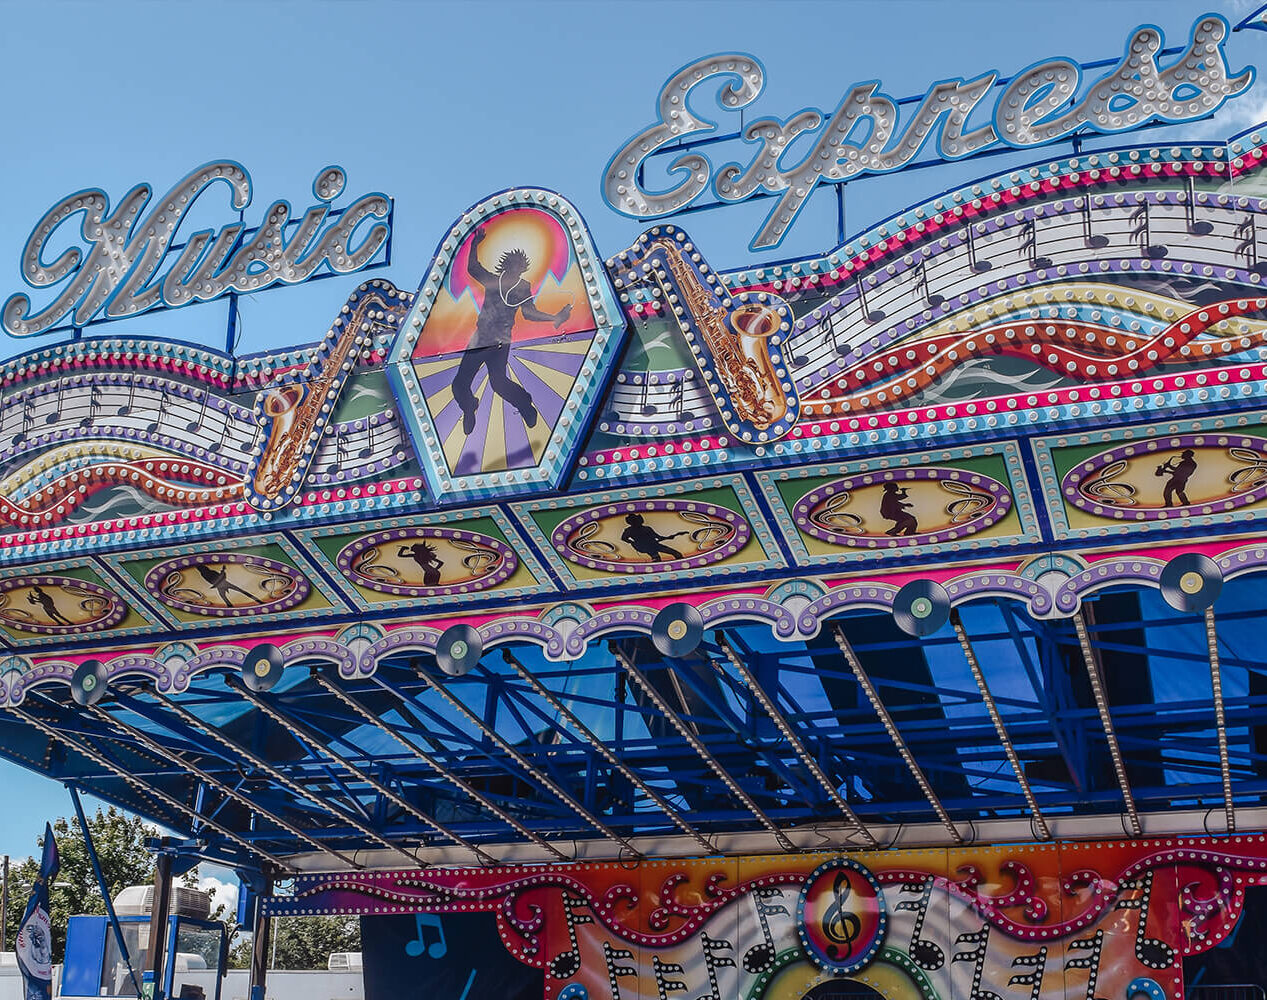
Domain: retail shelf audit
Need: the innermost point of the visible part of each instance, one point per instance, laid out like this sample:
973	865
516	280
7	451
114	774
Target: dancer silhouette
1180	473
506	294
644	539
425	556
49	606
893	507
218	580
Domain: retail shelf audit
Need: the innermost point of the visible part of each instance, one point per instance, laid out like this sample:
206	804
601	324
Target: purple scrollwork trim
808	511
612	620
567	538
1109	573
1005	585
156	582
507	563
873	596
749	608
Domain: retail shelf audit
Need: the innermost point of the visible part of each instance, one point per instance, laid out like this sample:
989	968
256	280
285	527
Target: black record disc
1191	582
677	629
921	607
459	649
88	684
263	667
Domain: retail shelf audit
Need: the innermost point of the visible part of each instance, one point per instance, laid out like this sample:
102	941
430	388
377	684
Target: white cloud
225	893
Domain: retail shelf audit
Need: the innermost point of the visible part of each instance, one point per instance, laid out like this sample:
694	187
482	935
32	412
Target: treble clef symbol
839	924
584	542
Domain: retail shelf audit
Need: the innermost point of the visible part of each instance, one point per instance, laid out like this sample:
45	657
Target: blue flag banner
35	932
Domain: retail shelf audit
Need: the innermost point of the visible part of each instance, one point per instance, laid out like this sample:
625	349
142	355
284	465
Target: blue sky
440	104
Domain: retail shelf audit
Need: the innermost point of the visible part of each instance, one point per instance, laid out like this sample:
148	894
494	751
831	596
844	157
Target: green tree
306	942
120	842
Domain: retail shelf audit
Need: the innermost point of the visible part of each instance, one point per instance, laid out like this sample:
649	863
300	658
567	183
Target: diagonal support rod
1220	718
697	745
890	727
293	786
789	734
977	675
570	717
1092	662
283	718
225	789
541	779
145	787
434	764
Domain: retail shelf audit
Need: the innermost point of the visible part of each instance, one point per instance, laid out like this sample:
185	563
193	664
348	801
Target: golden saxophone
295	409
735	337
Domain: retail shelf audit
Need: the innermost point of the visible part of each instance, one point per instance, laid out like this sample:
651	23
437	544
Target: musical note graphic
924	953
1102	488
713	961
126	408
677	401
1141	230
867	315
761	956
1152	952
833	517
1202	228
368	449
1093	240
1247	241
568	963
94	406
1091	962
197	422
711	533
584	541
437	948
615	972
971	504
154	424
664	986
980	941
1029	244
1034	980
921	282
840	925
340	447
646	409
974	262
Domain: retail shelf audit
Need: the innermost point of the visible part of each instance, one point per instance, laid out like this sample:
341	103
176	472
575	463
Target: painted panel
603	538
1046	921
66	598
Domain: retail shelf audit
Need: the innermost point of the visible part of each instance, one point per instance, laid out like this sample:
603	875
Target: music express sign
126	268
862	136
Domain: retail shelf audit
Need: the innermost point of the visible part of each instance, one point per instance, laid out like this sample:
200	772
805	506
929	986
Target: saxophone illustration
295	409
736	338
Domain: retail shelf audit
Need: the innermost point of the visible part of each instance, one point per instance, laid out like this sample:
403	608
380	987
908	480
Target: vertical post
4	908
260	945
158	922
840	214
102	886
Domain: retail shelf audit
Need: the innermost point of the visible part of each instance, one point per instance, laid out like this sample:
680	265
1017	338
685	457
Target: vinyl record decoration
1191	582
459	649
921	607
89	683
677	629
263	667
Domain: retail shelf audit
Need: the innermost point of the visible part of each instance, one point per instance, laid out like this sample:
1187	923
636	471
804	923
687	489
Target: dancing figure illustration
1180	472
45	601
893	507
218	580
428	561
506	294
644	539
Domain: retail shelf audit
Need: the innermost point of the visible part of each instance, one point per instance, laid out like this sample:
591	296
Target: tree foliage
307	942
120	842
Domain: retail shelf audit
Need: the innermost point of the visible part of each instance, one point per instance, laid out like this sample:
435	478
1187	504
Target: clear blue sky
441	104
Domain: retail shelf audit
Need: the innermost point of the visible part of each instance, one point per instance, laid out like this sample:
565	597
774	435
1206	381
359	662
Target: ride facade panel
727	620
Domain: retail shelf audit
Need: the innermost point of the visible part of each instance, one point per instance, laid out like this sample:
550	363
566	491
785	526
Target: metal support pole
890	727
794	741
101	885
1220	718
435	764
570	717
4	908
1092	663
216	783
288	721
697	745
535	773
971	656
158	922
260	945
